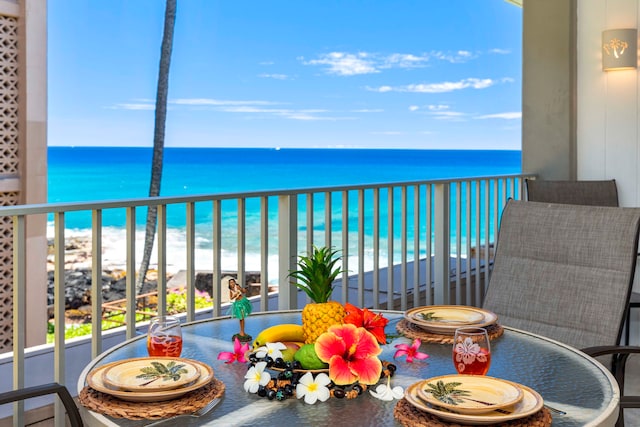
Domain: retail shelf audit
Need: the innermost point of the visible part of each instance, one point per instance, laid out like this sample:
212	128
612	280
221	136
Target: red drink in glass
164	337
164	346
471	351
478	366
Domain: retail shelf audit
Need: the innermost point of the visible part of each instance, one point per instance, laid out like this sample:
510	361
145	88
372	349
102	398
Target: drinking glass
471	351
164	337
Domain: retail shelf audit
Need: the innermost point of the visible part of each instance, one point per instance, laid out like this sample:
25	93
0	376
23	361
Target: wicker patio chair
566	272
41	390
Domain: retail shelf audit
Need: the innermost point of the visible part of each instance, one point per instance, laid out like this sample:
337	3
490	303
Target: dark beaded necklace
289	373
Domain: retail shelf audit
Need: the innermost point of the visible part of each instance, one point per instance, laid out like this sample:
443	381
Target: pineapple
315	277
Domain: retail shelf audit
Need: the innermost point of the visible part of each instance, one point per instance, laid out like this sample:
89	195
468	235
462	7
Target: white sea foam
114	252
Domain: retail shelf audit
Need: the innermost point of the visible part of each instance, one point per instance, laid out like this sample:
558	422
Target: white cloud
274	76
256	107
507	116
250	109
437	107
442	87
449	86
368	110
413	108
381	89
217	102
307	117
403	60
458	57
448	115
350	64
292	114
500	51
345	64
136	106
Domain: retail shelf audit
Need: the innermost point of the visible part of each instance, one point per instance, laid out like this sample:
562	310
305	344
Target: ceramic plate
470	394
445	319
530	404
94	379
151	374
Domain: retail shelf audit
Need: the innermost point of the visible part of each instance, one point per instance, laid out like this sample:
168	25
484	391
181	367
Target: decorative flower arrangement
291	380
350	350
333	354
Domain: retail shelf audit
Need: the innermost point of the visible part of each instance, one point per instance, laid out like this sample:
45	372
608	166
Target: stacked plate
150	379
474	399
445	319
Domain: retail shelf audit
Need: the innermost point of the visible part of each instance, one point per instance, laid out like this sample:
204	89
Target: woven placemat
188	403
409	415
413	331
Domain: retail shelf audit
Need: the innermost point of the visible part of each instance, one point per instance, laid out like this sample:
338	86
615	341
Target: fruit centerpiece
334	353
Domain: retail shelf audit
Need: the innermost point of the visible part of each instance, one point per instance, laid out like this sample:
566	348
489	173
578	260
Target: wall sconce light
620	49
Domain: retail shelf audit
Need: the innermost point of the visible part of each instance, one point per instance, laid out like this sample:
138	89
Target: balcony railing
402	244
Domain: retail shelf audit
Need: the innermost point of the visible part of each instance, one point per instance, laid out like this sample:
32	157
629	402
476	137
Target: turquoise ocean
80	174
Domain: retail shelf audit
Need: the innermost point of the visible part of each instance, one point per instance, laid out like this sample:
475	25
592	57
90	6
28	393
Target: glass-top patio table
566	378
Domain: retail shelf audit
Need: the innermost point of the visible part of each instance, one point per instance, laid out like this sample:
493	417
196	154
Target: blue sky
283	73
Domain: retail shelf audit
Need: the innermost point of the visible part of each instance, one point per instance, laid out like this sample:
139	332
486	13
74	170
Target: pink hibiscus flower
352	354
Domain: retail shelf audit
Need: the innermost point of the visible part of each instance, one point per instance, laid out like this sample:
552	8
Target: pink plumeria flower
239	353
411	351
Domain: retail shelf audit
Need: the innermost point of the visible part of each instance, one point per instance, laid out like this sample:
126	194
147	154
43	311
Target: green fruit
308	358
288	354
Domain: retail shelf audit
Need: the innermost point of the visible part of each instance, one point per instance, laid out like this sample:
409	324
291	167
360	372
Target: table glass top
565	379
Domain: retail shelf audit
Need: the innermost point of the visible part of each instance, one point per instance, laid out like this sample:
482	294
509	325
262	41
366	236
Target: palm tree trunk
158	136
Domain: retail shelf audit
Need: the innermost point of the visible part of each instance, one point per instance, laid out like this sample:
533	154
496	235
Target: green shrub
176	304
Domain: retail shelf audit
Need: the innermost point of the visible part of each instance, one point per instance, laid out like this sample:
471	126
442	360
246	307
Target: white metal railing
403	244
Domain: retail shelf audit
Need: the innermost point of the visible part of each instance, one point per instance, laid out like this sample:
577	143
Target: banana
279	333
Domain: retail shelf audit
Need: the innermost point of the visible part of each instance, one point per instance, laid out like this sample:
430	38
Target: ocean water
103	173
114	173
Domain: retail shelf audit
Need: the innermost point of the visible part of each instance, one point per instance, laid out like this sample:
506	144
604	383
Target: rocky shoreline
78	280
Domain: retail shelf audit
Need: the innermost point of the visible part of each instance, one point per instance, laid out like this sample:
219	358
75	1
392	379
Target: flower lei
293	381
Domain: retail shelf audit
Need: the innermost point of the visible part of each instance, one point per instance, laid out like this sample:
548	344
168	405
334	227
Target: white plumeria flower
256	376
271	349
385	392
313	389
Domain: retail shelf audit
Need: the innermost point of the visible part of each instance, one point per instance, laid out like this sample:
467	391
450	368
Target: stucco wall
548	102
608	113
